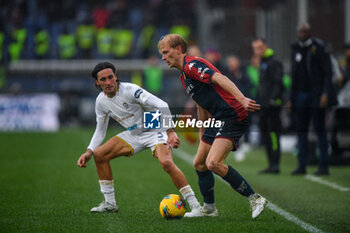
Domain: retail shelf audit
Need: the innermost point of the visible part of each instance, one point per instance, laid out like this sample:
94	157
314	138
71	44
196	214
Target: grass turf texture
43	190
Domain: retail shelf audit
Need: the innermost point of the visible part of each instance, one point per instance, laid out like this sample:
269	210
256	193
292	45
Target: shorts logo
138	93
152	120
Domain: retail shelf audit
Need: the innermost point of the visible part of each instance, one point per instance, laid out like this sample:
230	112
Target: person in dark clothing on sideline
270	93
311	93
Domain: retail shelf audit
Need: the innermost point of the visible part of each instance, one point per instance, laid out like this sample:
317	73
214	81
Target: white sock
189	196
107	188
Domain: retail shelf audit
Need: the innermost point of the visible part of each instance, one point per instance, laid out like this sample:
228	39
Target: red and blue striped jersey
196	79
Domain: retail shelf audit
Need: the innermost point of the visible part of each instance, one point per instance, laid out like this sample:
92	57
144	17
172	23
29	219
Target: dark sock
206	185
237	182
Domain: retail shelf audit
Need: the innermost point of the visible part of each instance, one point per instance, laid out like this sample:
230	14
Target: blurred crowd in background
84	29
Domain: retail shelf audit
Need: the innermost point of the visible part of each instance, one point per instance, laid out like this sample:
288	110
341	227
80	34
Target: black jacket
319	70
270	90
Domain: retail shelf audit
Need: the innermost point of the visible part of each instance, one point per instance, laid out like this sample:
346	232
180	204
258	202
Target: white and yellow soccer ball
172	206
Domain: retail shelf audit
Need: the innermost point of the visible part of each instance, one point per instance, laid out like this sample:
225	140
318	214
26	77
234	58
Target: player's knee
199	165
213	165
99	156
167	165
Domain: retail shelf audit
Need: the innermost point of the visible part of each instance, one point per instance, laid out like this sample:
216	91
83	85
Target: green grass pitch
43	190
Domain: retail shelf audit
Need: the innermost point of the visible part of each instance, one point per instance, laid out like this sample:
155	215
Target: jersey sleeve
102	120
138	94
199	71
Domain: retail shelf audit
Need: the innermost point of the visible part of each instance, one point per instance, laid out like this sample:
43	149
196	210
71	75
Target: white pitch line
327	183
306	226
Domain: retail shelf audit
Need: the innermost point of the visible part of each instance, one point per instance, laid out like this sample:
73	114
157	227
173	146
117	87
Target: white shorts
144	140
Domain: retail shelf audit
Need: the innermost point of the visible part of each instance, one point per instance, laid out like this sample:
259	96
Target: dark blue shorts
231	129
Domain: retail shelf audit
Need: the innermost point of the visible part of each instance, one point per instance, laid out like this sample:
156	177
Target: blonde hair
173	40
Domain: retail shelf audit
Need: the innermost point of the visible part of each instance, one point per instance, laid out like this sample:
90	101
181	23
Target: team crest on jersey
138	92
152	120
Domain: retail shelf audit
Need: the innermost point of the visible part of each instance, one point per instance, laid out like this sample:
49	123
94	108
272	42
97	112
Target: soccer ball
172	206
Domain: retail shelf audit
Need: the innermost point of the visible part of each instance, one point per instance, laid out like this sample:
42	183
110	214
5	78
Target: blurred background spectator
312	93
194	50
153	76
270	96
214	57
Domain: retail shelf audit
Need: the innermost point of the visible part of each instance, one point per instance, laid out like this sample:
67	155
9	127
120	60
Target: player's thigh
219	150
113	148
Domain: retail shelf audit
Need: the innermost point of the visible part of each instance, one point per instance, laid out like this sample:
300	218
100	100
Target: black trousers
270	128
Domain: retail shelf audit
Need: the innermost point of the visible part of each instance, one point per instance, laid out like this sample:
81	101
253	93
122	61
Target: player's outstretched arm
96	140
225	83
84	158
173	139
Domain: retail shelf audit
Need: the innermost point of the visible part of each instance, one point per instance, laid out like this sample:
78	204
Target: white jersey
127	108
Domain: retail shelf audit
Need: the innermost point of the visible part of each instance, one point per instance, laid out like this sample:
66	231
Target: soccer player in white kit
125	103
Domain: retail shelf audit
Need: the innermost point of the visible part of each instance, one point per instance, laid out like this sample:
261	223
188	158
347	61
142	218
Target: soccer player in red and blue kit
217	97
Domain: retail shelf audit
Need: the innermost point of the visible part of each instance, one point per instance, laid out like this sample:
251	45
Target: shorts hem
155	147
205	141
232	140
131	148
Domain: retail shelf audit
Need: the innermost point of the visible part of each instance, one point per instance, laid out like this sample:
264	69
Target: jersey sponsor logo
152	120
122	119
190	65
138	92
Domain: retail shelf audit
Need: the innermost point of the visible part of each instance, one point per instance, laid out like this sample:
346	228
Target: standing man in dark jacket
311	93
270	93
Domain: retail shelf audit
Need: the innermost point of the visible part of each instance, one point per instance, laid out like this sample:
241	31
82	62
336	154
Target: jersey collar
183	66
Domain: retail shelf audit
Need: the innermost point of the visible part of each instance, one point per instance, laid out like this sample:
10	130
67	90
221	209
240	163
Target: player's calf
167	165
218	168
